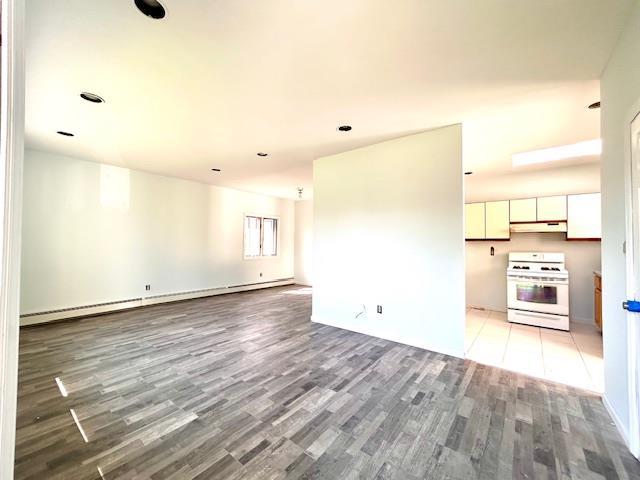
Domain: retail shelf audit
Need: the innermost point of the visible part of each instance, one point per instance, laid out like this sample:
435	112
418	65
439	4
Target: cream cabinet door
474	221
583	216
497	220
523	210
552	208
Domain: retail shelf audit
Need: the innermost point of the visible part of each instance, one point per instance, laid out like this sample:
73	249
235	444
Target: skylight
575	150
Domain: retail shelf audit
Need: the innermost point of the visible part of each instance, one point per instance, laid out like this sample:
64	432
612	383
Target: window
260	236
252	232
269	237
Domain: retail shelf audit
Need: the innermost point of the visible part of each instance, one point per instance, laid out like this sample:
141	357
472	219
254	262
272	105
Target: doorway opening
533	281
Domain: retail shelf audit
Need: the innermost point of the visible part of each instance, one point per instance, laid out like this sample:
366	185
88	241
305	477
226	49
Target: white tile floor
572	358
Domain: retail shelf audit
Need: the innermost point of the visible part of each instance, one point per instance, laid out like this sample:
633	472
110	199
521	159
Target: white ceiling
217	81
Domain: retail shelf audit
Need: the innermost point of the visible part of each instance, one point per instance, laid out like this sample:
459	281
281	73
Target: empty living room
362	239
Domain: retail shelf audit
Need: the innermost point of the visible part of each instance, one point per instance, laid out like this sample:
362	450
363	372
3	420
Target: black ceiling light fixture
216	170
594	105
262	154
344	128
151	8
468	173
92	97
65	134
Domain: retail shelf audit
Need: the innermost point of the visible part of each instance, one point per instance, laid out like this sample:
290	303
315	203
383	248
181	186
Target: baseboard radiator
106	307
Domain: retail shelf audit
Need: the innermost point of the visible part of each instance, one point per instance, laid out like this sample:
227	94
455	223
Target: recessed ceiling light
92	97
594	105
66	134
215	170
580	149
262	154
468	173
344	128
151	8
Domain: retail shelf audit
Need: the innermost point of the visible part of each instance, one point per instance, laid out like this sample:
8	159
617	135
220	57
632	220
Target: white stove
538	290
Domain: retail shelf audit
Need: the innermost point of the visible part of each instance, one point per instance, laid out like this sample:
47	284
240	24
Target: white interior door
634	293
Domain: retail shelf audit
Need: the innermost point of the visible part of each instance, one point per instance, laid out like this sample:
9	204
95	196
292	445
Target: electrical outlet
147	287
379	309
260	274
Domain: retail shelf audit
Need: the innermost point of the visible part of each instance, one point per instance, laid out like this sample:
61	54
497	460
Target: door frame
633	326
12	111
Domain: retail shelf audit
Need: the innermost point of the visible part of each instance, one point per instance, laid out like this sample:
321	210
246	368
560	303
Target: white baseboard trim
492	308
619	425
107	307
405	341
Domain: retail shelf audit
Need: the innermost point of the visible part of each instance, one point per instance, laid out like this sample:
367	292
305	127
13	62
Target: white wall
583	178
486	281
304	242
388	230
94	233
620	90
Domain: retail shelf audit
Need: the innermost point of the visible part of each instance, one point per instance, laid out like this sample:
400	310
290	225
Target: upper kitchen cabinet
474	221
583	217
552	208
497	220
523	210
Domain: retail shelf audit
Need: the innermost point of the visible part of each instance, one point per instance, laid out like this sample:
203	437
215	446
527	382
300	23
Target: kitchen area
533	284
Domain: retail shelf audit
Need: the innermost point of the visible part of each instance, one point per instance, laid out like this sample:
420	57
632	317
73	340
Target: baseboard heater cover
83	307
36	318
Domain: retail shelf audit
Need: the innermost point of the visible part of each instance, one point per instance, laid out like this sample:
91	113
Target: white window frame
262	217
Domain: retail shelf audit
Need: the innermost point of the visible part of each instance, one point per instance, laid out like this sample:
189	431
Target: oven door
538	295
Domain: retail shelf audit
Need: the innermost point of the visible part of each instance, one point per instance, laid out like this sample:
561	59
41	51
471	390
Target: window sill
262	257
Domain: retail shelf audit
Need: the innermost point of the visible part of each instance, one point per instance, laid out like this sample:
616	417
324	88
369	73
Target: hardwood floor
243	386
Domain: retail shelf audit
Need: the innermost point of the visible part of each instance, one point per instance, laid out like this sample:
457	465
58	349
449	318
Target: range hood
535	227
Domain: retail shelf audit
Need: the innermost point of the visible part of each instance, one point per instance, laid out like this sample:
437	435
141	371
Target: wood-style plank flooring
243	386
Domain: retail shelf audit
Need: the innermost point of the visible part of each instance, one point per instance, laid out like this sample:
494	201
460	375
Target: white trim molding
11	159
632	435
632	432
616	420
38	318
